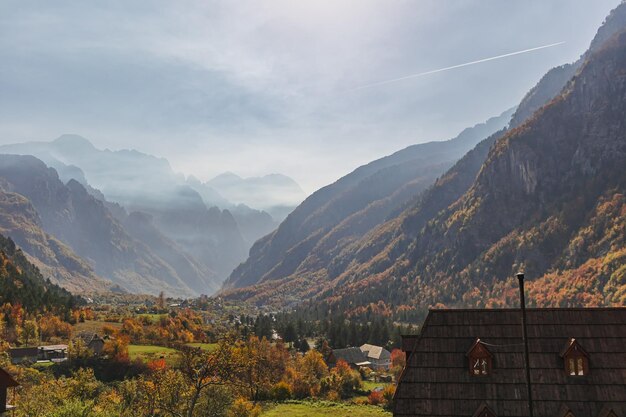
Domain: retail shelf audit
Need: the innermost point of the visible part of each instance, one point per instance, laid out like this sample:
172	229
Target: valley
475	273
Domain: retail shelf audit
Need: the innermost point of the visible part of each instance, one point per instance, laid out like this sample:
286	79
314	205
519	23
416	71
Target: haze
270	87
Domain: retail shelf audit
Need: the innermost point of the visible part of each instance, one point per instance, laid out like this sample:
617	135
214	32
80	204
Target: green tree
29	332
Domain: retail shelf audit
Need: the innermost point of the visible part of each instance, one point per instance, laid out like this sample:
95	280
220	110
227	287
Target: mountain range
544	194
538	188
95	219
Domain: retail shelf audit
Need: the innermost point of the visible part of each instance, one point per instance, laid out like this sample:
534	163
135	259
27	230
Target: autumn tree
202	369
342	382
52	326
260	365
132	328
28	332
116	349
306	373
398	362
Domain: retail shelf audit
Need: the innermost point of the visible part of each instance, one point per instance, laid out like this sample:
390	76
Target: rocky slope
36	196
138	182
545	196
343	212
19	219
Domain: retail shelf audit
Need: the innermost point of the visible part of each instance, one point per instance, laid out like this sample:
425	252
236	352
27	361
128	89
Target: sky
275	86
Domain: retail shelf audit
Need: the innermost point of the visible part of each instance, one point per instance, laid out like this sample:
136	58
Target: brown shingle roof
436	381
352	355
6	380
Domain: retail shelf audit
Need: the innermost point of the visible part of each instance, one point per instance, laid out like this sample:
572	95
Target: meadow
323	409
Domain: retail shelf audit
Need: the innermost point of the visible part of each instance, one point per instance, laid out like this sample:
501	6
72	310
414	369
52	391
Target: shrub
281	391
388	395
375	398
244	408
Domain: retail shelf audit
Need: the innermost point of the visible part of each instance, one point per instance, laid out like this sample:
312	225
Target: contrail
421	74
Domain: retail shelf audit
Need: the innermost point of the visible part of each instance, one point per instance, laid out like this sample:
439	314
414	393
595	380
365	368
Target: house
24	354
354	356
375	357
92	342
6	382
471	363
379	357
54	353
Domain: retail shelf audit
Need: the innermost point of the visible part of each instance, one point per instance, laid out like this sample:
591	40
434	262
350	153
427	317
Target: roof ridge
445	310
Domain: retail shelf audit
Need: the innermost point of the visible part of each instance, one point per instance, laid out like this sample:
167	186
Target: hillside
545	196
19	219
21	282
341	213
42	212
138	182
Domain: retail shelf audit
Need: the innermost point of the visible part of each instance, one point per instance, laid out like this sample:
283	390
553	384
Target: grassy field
323	409
149	352
94	326
204	346
371	385
154	318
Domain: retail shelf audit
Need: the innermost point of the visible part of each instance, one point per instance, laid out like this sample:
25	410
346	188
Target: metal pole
520	277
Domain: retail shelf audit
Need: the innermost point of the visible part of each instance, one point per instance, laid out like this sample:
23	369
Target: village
463	362
313	208
148	337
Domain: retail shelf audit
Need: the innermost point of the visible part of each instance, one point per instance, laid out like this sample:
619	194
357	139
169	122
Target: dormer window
607	412
575	358
484	411
565	412
480	359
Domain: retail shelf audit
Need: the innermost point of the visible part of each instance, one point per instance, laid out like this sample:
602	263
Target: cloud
214	85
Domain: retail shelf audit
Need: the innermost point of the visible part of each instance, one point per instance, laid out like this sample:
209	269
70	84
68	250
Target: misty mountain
267	192
183	211
56	261
337	215
83	223
253	224
545	196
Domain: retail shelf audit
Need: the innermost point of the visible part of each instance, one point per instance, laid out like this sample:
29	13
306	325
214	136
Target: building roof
53	348
437	381
352	355
6	380
375	352
88	337
23	352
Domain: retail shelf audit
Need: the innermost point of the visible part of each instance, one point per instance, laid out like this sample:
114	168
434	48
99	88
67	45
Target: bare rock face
19	219
86	235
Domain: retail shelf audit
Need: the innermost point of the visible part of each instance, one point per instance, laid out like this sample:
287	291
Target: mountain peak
73	141
227	176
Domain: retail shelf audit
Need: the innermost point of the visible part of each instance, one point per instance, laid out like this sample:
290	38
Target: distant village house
54	353
371	356
92	342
